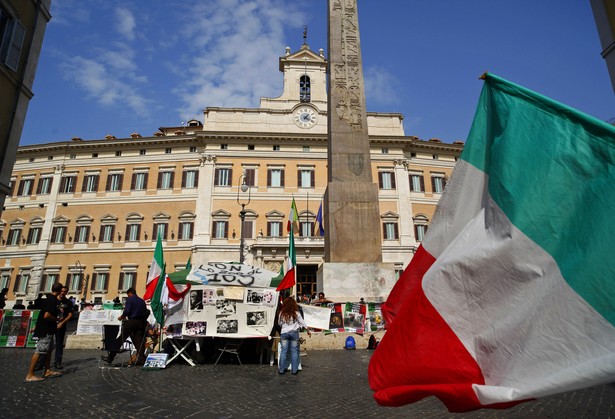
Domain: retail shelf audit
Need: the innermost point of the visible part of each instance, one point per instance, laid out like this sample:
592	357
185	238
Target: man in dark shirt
134	322
45	328
65	313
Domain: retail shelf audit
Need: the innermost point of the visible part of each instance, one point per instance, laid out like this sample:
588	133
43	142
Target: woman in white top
290	322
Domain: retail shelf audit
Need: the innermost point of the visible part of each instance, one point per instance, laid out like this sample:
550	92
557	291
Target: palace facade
88	212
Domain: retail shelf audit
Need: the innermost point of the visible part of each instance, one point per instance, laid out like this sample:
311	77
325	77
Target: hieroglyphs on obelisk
352	222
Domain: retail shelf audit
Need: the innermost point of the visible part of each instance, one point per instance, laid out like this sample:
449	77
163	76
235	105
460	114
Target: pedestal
349	282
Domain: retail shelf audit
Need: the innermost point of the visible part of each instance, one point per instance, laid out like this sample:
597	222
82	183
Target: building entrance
306	279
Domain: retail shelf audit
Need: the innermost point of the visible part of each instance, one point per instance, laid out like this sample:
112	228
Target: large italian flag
512	294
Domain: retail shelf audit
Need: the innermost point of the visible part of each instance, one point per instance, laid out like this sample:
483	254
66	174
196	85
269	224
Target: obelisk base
349	282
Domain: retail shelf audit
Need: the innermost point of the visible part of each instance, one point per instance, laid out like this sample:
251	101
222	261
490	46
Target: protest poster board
14	330
31	342
92	321
156	360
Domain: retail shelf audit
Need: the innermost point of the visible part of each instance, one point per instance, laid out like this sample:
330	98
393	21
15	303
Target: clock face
305	118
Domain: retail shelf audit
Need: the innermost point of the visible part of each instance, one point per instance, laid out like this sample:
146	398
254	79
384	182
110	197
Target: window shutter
93	284
63	238
17	282
39	186
225	229
392	180
96	179
416	232
165	230
29	239
217	177
433	184
13	188
184	179
112	232
101	236
380	180
120	181
396	231
14	50
268	177
443	183
384	231
127	233
106	284
20	188
120	284
41	287
311	228
85	182
191	230
422	178
159	180
172	182
299	184
250	177
282	178
133	182
230	177
269	229
312	179
87	234
196	178
145	181
138	232
155	232
108	185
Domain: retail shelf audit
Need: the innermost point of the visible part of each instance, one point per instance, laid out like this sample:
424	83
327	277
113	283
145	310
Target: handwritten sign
234	274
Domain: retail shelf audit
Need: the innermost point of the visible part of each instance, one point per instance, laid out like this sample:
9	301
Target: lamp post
241	200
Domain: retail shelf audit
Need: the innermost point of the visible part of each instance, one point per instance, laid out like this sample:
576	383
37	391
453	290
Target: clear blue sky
116	67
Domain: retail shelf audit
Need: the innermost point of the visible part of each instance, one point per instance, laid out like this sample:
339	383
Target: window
67	185
94	155
58	234
386	180
21	283
384	150
81	234
47	281
190	178
12	34
419	232
435	157
192	149
306	228
390	231
223	146
74	282
305	178
106	233
90	183
25	187
250	176
275	178
220	229
34	235
276	148
160	229
72	156
118	153
13	237
274	228
49	157
417	182
306	148
165	180
223	176
44	185
186	230
438	183
114	182
251	147
304	88
142	152
139	181
99	281
133	232
127	280
167	151
5	280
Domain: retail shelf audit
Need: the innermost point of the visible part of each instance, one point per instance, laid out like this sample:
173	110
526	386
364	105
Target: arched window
304	88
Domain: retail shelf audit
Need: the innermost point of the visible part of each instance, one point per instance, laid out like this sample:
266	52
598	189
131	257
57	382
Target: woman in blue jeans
290	322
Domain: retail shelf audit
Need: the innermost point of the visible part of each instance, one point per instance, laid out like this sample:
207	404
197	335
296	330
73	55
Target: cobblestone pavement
333	384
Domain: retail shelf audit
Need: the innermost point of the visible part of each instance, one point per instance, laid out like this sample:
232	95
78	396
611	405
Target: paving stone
333	383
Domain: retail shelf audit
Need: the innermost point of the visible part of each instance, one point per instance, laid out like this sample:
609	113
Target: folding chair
115	340
230	347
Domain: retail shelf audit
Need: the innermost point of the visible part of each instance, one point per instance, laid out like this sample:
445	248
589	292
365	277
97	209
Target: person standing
290	322
65	314
134	318
44	330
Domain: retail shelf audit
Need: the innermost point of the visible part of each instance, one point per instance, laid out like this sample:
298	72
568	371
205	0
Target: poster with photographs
226	307
156	360
174	331
354	317
336	320
227	326
14	331
195	329
256	318
211	295
376	321
260	296
196	300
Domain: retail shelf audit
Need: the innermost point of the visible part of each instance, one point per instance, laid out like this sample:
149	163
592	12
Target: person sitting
134	318
321	299
19	306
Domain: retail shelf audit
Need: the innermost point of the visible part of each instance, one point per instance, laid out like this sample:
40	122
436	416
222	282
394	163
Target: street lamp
241	200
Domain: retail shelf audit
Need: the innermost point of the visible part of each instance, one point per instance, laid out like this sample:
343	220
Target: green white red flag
154	271
289	277
293	217
509	297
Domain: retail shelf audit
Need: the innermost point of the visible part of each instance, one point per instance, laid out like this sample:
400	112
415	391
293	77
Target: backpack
350	343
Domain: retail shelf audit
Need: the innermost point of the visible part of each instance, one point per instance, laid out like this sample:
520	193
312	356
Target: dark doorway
306	279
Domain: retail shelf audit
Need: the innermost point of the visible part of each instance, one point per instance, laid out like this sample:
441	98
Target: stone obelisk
353	246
